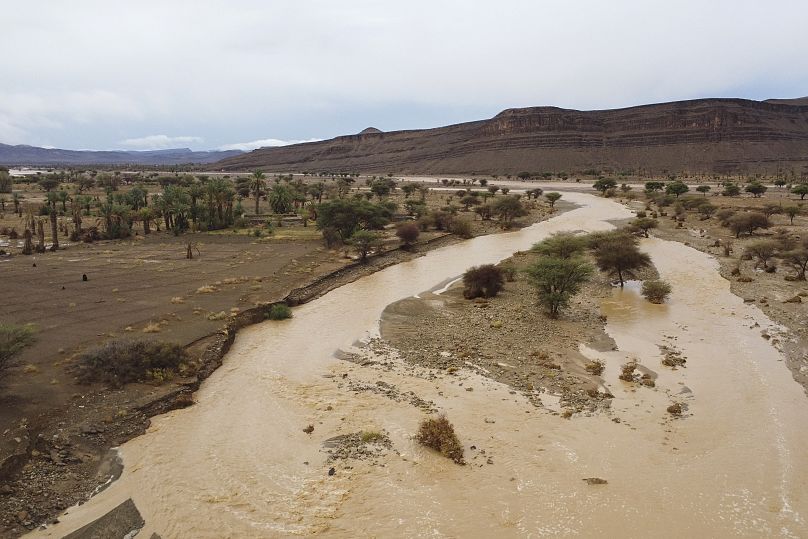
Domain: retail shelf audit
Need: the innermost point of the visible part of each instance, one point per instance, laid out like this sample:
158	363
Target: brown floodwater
735	465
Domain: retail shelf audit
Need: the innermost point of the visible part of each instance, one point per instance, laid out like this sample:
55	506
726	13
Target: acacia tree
748	222
677	188
792	212
552	198
561	245
644	224
756	189
763	251
556	280
703	189
798	259
507	209
365	241
801	189
604	184
618	254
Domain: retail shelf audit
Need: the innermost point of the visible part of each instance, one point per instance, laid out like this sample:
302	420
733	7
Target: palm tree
257	185
63	197
54	231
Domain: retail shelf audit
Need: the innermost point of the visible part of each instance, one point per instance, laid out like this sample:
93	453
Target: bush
748	222
408	233
13	339
561	245
557	280
438	434
279	311
461	228
482	281
655	291
120	362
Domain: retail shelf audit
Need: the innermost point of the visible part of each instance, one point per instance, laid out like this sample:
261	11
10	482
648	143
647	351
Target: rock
795	299
120	522
496	324
22	516
332	471
675	409
595	481
6	490
309	429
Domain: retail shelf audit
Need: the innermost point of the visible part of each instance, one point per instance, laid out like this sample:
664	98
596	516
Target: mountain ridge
709	135
23	154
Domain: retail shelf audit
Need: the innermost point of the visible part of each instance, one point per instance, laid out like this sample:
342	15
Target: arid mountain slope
721	135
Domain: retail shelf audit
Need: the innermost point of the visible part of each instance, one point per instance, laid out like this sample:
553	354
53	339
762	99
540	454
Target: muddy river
238	464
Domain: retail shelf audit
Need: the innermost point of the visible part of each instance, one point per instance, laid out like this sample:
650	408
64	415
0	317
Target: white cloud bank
263	143
160	142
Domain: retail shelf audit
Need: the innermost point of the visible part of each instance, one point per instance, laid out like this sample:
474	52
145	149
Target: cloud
263	143
95	88
160	142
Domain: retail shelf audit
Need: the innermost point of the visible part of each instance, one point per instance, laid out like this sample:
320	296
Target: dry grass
371	436
177	300
152	327
438	434
207	289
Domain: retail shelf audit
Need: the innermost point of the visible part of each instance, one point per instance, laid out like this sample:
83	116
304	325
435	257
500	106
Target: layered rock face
705	135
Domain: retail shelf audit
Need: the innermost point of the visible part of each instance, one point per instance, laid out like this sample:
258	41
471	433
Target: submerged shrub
482	281
279	311
656	291
122	361
438	434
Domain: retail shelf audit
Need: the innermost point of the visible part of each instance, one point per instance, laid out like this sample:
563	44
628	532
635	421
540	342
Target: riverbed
238	464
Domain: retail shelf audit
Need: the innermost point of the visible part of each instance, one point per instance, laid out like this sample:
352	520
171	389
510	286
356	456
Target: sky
239	74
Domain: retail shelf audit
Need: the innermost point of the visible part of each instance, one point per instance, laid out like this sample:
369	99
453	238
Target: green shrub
656	291
13	339
122	361
438	434
279	311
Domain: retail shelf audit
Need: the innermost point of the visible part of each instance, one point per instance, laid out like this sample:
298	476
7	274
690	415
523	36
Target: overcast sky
211	74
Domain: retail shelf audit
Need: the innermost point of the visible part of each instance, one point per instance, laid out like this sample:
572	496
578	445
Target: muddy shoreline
68	459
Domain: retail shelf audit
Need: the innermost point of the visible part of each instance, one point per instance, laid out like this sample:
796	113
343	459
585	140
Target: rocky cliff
720	135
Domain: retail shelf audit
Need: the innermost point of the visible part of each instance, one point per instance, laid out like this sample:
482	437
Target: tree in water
617	253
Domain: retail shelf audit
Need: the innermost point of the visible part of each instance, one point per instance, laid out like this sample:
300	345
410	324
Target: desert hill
706	135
